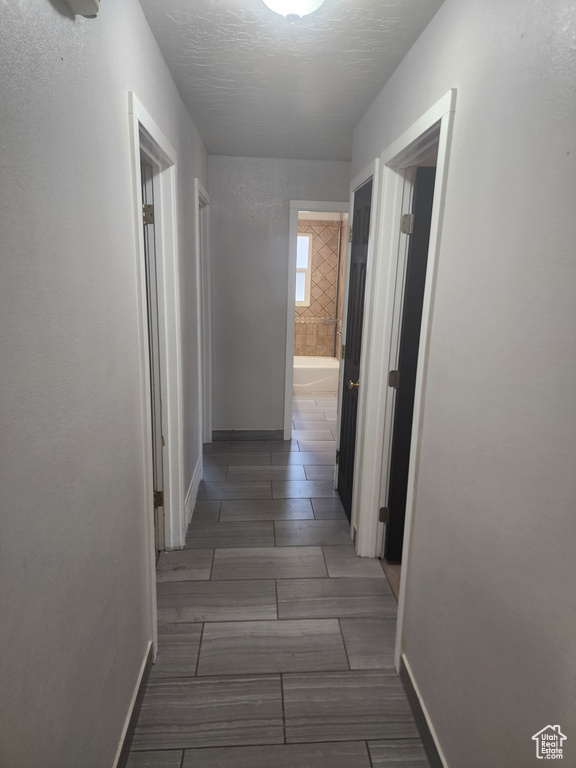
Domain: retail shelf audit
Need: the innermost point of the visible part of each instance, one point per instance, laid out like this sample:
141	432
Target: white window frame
306	271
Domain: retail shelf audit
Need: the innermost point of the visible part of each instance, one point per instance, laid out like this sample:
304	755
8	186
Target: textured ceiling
258	86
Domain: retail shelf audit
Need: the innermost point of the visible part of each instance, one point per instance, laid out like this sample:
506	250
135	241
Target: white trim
403	151
444	142
295	206
425	712
132	704
204	305
378	338
160	151
192	493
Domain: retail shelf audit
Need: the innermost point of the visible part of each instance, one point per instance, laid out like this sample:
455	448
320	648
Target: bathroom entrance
320	265
319	237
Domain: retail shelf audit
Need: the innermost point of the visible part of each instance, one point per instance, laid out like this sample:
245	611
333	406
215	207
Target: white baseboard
190	500
132	704
425	712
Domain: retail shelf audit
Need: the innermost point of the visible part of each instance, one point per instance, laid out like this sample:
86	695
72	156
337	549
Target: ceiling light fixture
293	9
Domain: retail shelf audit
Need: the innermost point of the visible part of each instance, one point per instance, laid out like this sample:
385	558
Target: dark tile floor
276	642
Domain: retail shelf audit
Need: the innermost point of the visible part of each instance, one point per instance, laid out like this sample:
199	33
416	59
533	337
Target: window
303	270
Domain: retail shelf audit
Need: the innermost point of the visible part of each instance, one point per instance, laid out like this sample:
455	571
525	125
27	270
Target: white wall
491	622
73	606
250	216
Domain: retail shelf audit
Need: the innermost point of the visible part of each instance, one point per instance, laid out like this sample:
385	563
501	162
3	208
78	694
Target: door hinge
394	379
408	224
337	457
148	214
343	352
350	233
158	499
384	516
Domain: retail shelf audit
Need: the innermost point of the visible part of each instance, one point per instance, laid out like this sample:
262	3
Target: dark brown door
408	361
354	317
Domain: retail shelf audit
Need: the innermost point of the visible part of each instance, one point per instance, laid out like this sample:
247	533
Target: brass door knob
353	385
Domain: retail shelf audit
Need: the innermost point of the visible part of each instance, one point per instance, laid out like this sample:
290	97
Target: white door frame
204	304
146	136
435	126
295	206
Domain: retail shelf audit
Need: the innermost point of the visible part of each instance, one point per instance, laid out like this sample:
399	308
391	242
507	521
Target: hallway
275	641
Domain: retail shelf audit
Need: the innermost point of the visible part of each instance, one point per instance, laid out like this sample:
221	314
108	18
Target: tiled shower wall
316	324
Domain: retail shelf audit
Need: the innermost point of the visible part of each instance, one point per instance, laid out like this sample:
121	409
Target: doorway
155	363
317	258
402	378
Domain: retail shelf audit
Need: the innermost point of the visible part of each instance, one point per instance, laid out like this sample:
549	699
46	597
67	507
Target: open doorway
320	264
411	283
147	172
318	239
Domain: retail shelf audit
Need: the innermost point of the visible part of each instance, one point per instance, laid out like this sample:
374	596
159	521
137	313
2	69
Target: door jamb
295	206
164	156
204	304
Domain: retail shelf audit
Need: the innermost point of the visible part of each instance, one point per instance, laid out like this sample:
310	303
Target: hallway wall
250	221
73	588
491	621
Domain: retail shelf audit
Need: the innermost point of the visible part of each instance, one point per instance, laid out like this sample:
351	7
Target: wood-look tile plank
215	473
184	565
370	642
304	405
230	534
166	759
178	646
218	446
210	712
329	401
344	563
316	423
258	446
327	598
259	474
236	459
315	415
315	472
317	445
252	647
305	457
269	563
311	533
407	753
342	755
303	489
266	509
344	706
207	511
234	490
309	434
198	601
328	509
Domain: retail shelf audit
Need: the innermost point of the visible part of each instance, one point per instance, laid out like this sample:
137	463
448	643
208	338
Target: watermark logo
549	743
